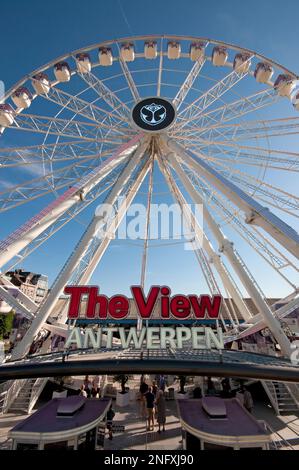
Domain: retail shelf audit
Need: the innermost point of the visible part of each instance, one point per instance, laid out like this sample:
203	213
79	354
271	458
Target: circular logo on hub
153	114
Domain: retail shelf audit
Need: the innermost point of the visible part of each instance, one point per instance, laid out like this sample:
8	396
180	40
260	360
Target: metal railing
277	441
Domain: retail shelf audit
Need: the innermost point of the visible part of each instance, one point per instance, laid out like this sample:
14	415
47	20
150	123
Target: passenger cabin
127	52
83	62
173	50
41	83
6	115
263	72
219	56
284	85
22	97
105	56
242	62
197	51
296	101
150	50
62	72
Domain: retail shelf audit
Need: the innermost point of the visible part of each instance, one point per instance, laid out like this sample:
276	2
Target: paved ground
135	436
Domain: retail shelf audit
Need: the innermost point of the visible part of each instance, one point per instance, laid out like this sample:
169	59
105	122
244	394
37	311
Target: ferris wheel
219	120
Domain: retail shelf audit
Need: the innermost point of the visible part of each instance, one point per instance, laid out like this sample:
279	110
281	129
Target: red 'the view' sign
118	306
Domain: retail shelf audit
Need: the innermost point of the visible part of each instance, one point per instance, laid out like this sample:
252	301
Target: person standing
109	417
248	401
143	389
96	383
154	388
161	410
150	401
211	387
87	386
162	382
83	391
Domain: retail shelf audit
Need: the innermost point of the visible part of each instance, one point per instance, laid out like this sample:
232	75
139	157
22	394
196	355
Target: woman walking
161	410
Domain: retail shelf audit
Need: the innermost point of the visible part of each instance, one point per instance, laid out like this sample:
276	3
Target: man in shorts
150	400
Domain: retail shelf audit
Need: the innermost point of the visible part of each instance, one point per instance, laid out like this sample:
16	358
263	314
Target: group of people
152	399
90	388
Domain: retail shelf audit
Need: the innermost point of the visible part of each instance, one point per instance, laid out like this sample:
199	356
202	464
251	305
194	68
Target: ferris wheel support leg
226	247
199	235
57	288
255	213
94	262
17	241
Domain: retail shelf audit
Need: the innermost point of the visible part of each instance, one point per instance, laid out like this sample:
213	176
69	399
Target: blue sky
34	32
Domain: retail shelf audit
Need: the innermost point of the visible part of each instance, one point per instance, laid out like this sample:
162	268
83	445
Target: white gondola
22	98
219	56
150	50
242	62
127	52
41	83
284	85
105	56
197	51
6	115
62	72
174	50
83	62
296	101
263	72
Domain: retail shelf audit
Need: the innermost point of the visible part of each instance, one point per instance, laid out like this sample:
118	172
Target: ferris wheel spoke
250	233
79	206
250	155
254	212
38	187
106	94
38	224
270	194
230	111
129	79
259	129
188	83
277	194
160	70
256	160
83	108
57	152
63	127
195	109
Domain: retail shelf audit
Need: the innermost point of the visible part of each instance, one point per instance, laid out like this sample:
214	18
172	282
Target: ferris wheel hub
153	114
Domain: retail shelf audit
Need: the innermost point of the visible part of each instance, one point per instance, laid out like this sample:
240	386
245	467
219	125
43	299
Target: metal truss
187	85
262	245
36	225
226	247
66	128
194	110
254	212
206	126
18	157
78	253
214	258
84	108
106	94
